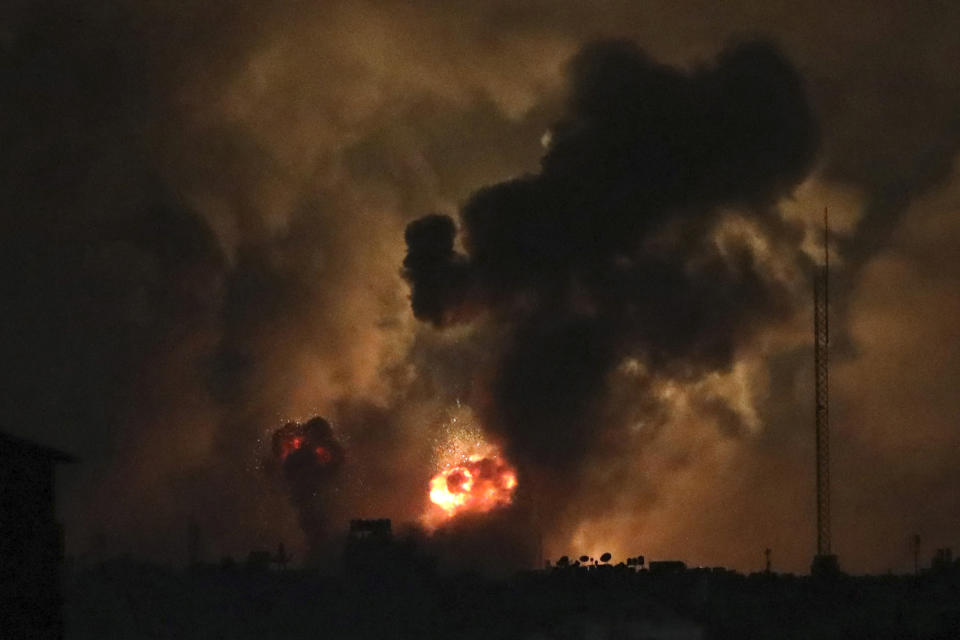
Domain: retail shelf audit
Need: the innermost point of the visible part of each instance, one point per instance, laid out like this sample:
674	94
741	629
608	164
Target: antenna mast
824	561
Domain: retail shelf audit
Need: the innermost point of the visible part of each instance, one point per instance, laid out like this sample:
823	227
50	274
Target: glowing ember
479	484
293	443
289	445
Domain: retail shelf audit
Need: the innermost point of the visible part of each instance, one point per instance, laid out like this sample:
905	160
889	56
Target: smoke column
310	457
639	238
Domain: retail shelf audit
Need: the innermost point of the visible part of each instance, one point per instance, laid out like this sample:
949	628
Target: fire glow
289	445
479	484
308	444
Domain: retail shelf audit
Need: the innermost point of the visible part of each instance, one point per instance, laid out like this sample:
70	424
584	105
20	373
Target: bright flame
472	476
479	484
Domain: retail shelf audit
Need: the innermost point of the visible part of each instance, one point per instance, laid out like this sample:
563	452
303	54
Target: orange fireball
479	484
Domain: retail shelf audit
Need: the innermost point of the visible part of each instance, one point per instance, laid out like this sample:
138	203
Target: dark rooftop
13	443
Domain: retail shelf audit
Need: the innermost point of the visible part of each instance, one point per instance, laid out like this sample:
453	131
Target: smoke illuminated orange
477	485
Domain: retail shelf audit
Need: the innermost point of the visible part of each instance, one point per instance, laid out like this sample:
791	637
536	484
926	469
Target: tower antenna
825	562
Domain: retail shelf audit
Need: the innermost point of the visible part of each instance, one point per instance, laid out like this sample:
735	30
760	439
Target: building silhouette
369	543
662	567
31	541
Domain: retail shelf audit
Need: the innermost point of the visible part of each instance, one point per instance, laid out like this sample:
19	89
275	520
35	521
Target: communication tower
825	562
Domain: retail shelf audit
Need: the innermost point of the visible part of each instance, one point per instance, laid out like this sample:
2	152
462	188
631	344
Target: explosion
472	476
478	485
310	458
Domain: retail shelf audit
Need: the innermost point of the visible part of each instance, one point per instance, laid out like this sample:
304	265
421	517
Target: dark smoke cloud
310	457
105	265
610	251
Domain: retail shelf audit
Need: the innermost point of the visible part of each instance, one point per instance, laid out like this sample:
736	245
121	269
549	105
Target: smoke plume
310	457
623	246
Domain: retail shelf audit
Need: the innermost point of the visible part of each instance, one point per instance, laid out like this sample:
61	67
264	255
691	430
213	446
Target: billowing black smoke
310	457
611	250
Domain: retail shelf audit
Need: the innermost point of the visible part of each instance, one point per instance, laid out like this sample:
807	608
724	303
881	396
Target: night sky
577	238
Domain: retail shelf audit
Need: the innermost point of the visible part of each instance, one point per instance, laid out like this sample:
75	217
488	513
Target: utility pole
193	543
916	554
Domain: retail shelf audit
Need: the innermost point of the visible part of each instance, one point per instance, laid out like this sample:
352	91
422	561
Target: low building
31	541
662	567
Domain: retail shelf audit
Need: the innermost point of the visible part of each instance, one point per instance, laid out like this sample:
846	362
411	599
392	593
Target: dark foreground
122	599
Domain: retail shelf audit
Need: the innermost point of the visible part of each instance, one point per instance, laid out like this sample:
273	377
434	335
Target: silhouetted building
636	561
369	544
825	566
371	530
667	566
942	560
31	541
258	560
372	551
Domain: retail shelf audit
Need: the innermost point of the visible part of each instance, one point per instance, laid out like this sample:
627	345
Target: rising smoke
620	247
310	457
